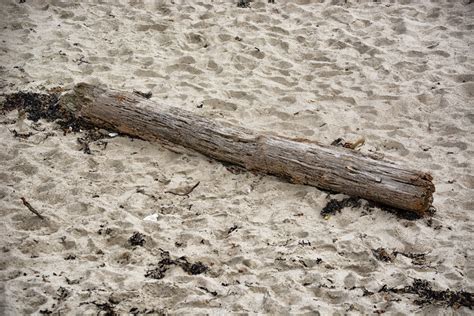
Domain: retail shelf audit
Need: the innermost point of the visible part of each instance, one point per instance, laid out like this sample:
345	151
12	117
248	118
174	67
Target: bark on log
326	167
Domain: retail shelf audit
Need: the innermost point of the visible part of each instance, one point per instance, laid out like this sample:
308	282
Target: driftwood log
326	167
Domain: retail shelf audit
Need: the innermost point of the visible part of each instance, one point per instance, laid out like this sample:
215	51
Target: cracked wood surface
326	167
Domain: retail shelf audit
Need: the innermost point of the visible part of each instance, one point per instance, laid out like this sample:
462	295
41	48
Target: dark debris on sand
21	135
335	206
46	106
426	295
43	106
243	4
166	262
416	258
146	311
137	239
382	254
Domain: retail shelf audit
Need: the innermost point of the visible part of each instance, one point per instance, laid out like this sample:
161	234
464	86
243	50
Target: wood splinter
31	208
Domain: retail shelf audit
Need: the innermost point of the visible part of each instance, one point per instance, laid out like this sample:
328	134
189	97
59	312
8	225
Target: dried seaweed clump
43	106
426	295
191	268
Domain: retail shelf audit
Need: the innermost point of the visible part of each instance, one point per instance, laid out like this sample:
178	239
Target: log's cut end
417	197
425	181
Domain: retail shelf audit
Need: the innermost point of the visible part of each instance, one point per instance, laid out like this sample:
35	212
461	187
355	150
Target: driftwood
303	162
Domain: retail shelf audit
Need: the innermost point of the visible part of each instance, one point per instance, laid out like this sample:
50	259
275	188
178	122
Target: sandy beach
114	240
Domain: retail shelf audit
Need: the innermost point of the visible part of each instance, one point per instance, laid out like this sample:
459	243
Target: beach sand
398	73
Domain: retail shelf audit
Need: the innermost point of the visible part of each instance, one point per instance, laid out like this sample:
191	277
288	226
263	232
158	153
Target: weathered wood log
325	167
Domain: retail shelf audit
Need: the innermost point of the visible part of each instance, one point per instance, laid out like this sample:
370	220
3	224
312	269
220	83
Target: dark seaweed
243	4
335	206
43	106
426	295
137	239
164	264
21	135
382	255
416	258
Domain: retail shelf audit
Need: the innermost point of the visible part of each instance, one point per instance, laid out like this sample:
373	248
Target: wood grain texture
325	167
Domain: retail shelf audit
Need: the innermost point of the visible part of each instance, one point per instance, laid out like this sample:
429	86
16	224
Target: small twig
31	208
187	192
